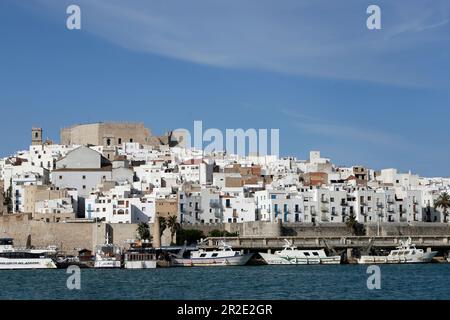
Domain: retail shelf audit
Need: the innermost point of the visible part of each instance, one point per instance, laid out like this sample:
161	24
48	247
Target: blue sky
310	68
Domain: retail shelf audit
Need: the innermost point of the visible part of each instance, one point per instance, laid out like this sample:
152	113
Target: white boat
140	260
14	259
290	255
107	256
405	253
225	256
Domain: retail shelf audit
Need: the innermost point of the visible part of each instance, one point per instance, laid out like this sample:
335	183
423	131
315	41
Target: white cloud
314	38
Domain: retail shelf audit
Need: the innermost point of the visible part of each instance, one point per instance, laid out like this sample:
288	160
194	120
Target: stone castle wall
97	133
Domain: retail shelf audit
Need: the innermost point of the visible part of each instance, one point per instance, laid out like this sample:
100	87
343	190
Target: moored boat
405	253
107	256
291	255
140	256
225	256
13	259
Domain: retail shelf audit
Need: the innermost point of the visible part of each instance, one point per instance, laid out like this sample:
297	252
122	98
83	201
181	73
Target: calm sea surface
430	281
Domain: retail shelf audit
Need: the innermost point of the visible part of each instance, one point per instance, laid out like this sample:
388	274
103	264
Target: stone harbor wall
70	237
403	229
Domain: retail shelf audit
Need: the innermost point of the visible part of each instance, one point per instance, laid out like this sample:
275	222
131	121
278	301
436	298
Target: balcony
324	200
391	210
344	204
390	201
403	219
324	218
324	209
380	205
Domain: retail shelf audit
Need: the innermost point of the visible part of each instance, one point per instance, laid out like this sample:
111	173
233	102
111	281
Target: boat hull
212	262
423	258
273	259
107	264
150	264
22	264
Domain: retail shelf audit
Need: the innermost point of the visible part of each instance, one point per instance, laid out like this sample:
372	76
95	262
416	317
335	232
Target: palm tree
143	231
443	202
162	224
351	222
173	225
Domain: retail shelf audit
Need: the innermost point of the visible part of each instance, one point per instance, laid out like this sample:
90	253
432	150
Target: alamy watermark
374	20
73	21
241	142
374	280
74	281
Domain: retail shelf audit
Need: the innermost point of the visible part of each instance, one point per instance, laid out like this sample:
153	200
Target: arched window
108	142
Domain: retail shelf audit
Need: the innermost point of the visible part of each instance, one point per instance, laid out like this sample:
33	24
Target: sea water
344	282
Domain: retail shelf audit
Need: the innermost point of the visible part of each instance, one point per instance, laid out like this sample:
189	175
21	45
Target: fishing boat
225	256
405	253
290	255
13	258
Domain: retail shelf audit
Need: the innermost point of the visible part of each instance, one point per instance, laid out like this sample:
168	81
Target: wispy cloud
326	39
345	132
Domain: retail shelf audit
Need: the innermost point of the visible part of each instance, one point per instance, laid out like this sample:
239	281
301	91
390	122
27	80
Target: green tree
8	198
353	224
143	231
162	224
174	226
190	236
443	202
219	234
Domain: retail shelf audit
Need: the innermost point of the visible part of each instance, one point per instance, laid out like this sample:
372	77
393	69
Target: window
214	255
108	142
120	140
84	177
331	199
203	255
131	140
84	187
60	177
